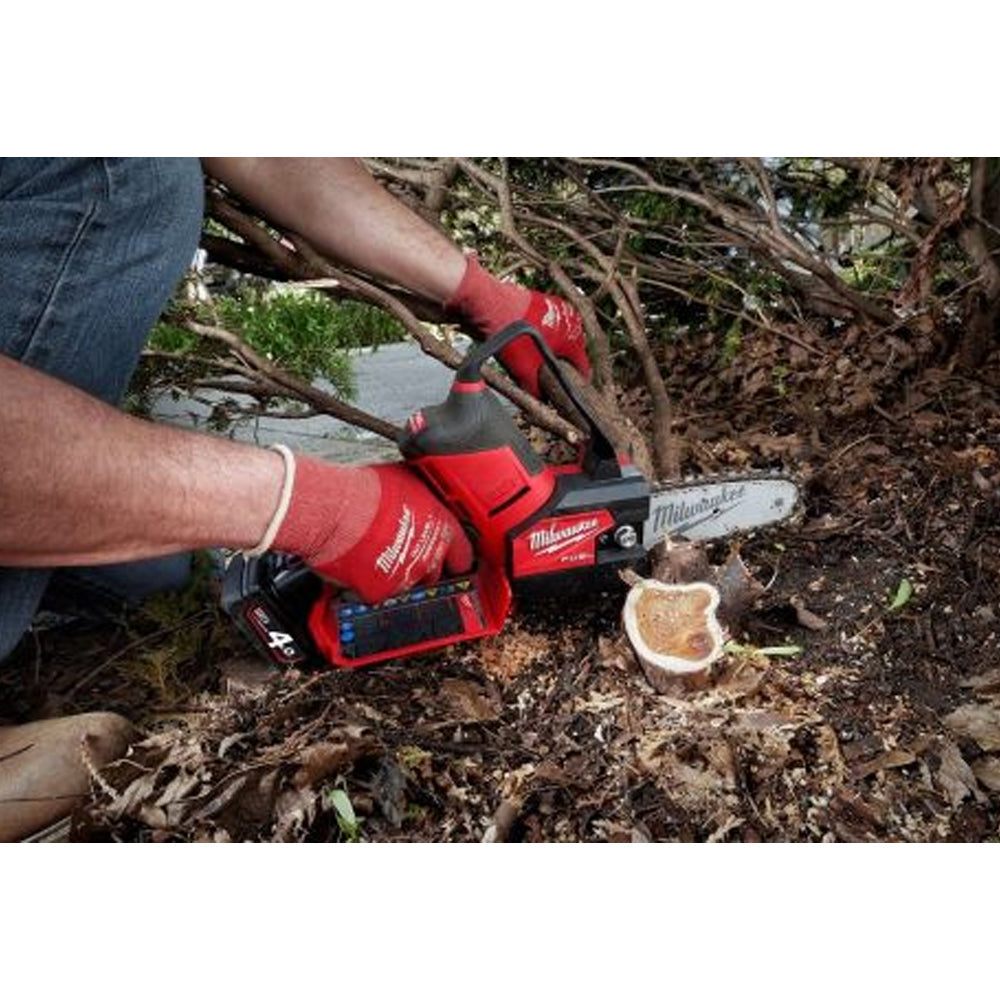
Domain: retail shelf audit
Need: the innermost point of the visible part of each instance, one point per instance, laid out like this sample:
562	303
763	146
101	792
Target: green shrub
304	332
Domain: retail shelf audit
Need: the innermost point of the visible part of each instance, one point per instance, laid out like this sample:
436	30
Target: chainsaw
536	527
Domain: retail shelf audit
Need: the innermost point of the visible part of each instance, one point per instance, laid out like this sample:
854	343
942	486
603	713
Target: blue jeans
90	253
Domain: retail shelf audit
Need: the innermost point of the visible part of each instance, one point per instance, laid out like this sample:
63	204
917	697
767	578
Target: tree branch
293	386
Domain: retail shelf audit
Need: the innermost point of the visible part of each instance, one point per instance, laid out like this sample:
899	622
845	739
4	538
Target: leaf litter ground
885	727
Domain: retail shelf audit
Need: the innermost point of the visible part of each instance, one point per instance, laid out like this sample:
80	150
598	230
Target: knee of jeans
182	203
158	203
114	279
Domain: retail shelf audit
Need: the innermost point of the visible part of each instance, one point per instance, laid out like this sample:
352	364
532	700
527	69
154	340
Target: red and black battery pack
349	633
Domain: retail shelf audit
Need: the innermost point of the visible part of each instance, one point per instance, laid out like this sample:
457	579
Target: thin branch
239	256
665	451
311	269
281	256
760	176
973	238
539	414
630	441
775	244
295	386
757	321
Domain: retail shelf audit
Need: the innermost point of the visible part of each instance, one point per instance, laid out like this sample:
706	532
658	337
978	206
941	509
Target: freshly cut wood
673	629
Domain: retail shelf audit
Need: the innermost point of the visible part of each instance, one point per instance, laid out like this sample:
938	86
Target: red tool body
536	528
532	524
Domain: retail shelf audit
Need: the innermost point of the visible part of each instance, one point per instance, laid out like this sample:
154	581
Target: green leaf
342	806
739	650
307	333
903	594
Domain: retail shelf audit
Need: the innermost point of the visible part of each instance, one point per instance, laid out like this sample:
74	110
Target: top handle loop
602	458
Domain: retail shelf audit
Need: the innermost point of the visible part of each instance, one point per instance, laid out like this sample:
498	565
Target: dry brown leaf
228	742
548	772
828	747
245	798
245	674
688	781
883	762
720	756
739	678
925	423
503	821
987	772
774	446
757	720
224	793
389	790
984	684
294	813
976	722
132	797
649	746
738	589
703	774
615	654
872	812
955	777
157	819
773	748
728	825
598	702
179	789
469	700
321	760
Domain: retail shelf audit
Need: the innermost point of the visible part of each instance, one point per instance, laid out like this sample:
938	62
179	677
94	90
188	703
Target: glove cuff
284	501
486	302
330	508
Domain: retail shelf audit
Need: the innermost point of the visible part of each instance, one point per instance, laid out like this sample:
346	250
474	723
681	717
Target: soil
859	701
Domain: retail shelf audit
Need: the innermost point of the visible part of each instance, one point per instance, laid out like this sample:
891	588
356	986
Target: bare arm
340	208
82	483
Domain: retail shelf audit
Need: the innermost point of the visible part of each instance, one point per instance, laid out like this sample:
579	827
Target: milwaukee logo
548	540
393	555
675	516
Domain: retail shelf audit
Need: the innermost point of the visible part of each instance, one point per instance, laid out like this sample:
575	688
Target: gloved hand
376	529
490	305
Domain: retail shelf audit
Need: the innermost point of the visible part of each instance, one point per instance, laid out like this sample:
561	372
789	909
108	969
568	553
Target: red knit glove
490	305
376	529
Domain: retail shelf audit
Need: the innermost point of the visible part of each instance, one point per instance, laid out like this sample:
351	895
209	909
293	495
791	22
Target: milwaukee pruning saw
536	528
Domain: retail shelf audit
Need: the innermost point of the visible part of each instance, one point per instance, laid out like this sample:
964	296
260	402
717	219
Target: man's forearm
340	208
82	483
